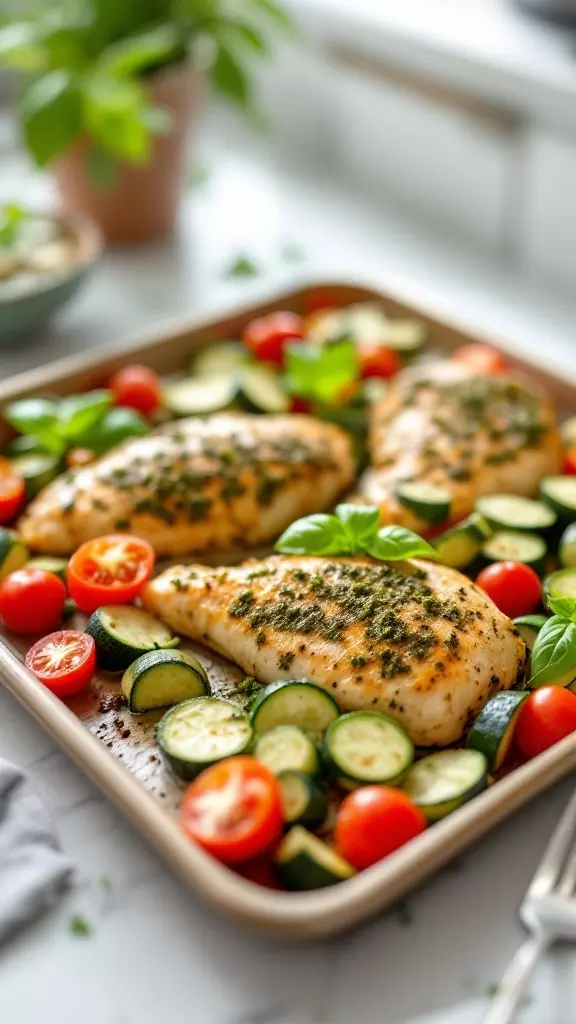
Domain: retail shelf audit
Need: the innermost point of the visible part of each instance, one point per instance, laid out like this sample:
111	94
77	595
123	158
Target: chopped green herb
79	926
243	266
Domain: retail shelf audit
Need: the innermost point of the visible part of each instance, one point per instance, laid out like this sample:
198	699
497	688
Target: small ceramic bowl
35	299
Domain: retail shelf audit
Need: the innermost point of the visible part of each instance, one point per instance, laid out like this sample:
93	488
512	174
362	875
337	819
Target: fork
549	913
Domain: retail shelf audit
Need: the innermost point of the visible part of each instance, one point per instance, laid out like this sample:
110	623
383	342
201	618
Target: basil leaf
360	523
79	413
319	534
395	543
32	415
554	653
115	426
563	606
321	372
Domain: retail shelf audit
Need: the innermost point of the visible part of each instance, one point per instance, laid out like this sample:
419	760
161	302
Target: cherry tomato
377	361
138	387
12	491
109	570
77	457
32	601
546	717
481	359
233	809
298	404
260	871
266	336
513	586
64	661
569	464
374	821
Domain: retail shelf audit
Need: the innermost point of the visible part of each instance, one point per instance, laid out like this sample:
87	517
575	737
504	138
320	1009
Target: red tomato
64	661
31	601
109	570
260	871
513	586
374	821
377	361
266	336
233	809
569	464
12	491
481	359
137	387
546	717
298	404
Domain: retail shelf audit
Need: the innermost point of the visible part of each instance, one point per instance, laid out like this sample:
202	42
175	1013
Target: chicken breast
471	435
197	485
415	640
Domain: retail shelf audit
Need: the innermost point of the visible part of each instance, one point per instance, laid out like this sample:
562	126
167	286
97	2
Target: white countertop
154	952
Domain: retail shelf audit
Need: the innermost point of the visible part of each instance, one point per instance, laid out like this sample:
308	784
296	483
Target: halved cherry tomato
138	387
77	457
32	601
377	360
12	491
546	717
233	809
109	570
514	587
569	464
64	661
266	336
374	821
481	359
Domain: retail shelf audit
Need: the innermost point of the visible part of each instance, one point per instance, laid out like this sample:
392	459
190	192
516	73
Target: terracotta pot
143	202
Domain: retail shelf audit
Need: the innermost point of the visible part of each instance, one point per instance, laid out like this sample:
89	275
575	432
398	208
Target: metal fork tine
555	854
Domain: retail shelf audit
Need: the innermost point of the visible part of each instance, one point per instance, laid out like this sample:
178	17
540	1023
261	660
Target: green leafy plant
320	372
353	530
554	652
86	64
86	421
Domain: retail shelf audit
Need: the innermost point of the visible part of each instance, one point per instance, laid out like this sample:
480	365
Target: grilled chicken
415	640
440	425
225	482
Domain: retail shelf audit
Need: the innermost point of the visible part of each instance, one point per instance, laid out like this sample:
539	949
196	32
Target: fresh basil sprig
554	653
353	530
321	372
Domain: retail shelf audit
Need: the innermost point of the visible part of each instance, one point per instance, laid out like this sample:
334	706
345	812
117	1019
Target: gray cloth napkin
33	870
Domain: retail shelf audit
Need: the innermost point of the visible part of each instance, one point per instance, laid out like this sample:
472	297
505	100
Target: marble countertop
153	950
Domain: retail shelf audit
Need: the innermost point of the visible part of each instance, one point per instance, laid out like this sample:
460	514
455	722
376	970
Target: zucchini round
529	626
442	782
425	500
561	583
303	861
13	552
57	566
560	493
158	679
303	801
493	730
513	512
261	390
200	396
515	546
122	633
219	358
287	748
367	747
461	545
567	547
199	732
37	471
293	702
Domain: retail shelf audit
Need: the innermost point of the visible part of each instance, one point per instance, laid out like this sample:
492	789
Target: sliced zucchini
515	546
560	493
159	678
366	747
303	861
442	782
567	547
425	500
201	731
58	566
408	337
561	583
70	608
36	470
303	801
13	552
461	545
293	702
199	396
122	633
493	730
529	626
287	748
261	390
513	512
223	357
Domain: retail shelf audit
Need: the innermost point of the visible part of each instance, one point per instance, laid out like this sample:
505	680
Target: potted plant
109	91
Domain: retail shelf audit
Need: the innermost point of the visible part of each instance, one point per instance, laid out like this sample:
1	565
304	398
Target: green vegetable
352	531
78	414
116	425
321	372
554	653
303	862
12	216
